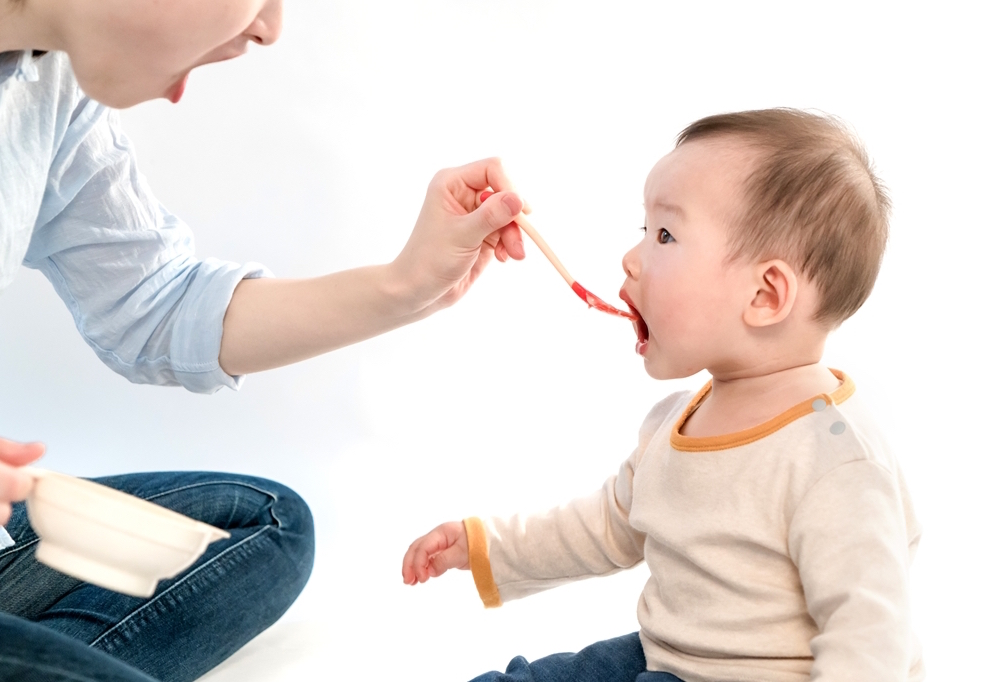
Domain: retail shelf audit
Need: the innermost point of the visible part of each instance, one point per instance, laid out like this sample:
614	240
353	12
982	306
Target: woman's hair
812	200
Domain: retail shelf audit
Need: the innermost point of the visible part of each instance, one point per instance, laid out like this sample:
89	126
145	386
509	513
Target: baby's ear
775	287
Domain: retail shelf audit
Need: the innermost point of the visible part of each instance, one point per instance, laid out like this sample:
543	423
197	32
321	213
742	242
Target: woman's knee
244	505
273	504
295	523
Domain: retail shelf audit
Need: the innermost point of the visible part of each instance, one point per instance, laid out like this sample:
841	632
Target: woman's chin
119	98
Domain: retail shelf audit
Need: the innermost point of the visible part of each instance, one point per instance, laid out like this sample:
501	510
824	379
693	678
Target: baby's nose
630	263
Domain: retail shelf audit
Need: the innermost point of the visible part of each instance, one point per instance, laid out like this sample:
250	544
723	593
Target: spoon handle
522	221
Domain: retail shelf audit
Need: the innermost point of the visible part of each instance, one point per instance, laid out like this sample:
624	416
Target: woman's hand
432	555
456	233
15	485
275	322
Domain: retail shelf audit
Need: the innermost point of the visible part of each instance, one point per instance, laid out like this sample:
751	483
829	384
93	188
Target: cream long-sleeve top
777	554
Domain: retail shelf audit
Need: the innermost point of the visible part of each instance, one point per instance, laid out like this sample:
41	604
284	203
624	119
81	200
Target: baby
773	518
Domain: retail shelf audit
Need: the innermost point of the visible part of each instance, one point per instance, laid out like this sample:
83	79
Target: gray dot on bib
837	428
819	405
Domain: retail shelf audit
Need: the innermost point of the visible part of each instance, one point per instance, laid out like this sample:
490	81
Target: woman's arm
155	313
271	323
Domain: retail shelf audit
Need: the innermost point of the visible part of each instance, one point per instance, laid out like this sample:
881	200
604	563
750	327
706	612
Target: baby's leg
613	660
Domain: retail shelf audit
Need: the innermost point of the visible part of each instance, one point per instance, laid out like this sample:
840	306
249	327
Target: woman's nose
267	26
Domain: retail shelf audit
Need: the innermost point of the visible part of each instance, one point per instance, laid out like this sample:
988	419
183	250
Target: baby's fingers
408	573
443	548
452	557
415	566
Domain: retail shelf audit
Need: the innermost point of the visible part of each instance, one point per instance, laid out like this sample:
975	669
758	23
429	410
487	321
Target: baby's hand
443	548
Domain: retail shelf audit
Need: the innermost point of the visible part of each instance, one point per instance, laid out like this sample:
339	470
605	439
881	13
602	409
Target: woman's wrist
271	322
409	291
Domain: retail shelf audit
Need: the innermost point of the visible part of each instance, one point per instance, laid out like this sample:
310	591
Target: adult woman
73	206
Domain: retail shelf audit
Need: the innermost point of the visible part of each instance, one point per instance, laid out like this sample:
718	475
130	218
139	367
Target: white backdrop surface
313	155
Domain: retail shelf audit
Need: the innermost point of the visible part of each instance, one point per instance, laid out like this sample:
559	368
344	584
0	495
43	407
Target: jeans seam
181	582
19	547
271	495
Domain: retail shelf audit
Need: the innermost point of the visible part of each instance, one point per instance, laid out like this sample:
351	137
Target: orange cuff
478	559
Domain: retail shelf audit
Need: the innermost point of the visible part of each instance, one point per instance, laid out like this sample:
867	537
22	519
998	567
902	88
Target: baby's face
689	299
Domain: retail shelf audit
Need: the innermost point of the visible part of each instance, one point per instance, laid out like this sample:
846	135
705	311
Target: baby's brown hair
812	200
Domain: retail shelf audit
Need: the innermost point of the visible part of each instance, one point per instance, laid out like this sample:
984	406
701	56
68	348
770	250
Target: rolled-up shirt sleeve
125	266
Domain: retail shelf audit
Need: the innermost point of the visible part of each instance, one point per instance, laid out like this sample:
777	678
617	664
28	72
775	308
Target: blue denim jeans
614	660
54	628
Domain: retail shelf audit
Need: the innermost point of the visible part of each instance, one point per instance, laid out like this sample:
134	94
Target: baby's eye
665	237
643	228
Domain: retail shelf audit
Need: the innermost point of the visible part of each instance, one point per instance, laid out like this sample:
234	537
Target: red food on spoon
591	299
594	302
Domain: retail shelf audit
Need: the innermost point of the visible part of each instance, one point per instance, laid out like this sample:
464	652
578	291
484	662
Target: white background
313	155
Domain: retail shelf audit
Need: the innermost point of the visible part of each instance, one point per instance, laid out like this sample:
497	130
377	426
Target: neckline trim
731	440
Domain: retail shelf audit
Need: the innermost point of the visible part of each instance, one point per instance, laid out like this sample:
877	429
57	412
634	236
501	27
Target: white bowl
111	539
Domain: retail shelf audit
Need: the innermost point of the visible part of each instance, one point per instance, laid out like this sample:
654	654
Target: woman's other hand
15	485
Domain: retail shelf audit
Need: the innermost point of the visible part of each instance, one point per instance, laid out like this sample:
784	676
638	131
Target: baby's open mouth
641	329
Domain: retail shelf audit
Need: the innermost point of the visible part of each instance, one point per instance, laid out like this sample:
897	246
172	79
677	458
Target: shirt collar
18	65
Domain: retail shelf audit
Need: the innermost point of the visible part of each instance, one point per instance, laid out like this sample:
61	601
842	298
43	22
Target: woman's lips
641	328
174	95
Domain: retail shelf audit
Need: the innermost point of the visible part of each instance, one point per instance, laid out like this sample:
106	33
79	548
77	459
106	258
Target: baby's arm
852	545
515	557
436	552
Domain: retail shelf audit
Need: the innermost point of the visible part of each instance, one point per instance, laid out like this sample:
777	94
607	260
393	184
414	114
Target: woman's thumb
497	211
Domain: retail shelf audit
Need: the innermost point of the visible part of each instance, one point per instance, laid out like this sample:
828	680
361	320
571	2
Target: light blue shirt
74	206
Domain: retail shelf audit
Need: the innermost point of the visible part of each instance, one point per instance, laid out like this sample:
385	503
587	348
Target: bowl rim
107	494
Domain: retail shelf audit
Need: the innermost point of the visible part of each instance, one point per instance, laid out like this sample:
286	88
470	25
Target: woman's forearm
270	323
276	322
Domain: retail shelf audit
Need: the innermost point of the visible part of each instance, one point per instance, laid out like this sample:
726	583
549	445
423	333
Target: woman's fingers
15	484
512	240
14	487
507	242
483	174
19	454
495	213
